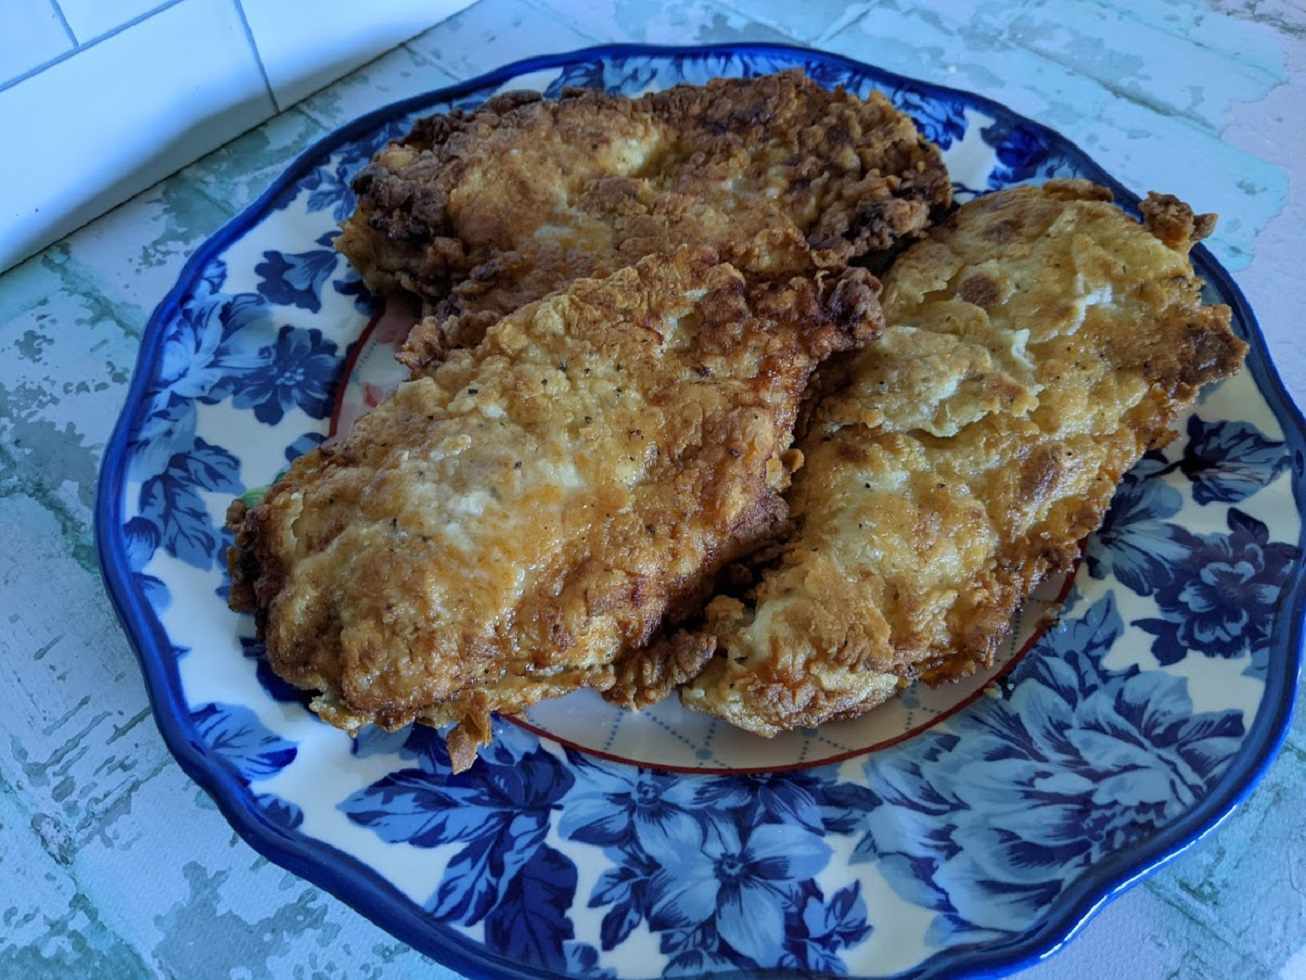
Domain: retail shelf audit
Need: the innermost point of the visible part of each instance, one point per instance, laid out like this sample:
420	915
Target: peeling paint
30	345
114	865
189	214
38	460
75	944
79	282
233	944
237	173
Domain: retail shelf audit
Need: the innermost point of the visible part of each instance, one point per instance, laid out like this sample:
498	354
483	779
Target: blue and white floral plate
971	829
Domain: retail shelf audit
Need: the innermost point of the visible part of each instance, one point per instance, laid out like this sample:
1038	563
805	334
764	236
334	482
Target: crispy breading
1037	345
497	532
479	213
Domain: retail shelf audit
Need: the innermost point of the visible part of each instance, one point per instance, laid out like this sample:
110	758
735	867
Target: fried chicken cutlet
498	531
1036	346
479	213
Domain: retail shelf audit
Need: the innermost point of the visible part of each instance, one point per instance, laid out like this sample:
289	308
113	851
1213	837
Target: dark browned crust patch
346	563
847	620
479	213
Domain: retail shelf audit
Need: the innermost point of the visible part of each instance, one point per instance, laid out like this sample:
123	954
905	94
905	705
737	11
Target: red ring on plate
1018	656
351	359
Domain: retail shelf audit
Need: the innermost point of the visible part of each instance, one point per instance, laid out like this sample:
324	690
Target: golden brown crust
479	213
1173	221
1036	346
646	676
497	532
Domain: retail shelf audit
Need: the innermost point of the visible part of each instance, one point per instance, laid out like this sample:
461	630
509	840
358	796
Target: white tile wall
343	35
478	42
30	35
106	97
90	19
121	115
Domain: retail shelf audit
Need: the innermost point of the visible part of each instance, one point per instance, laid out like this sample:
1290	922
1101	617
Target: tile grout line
23	806
1115	91
258	57
325	124
849	19
329	125
139	18
548	9
731	7
63	21
846	20
429	60
1128	13
423	58
225	208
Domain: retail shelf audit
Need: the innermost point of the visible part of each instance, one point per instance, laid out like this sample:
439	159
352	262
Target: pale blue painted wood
112	864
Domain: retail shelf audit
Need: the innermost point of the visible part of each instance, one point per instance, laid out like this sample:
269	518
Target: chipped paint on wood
115	865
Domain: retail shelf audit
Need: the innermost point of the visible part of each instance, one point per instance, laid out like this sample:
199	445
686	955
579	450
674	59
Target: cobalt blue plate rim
365	890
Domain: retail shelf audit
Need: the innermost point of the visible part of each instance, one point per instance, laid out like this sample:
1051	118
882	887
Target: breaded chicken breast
1036	346
480	213
498	531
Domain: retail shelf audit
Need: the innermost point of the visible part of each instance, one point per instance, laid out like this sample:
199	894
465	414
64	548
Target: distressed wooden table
113	864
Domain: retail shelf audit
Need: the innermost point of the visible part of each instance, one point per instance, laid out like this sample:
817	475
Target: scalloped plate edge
360	887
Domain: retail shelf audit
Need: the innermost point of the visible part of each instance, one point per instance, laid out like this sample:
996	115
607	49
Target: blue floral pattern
172	503
300	369
721	869
206	350
501	809
296	278
328	185
352	285
234	734
728	882
987	822
941	121
1134	543
1220	600
1023	153
1230	461
564	862
211	353
141	536
1217	594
